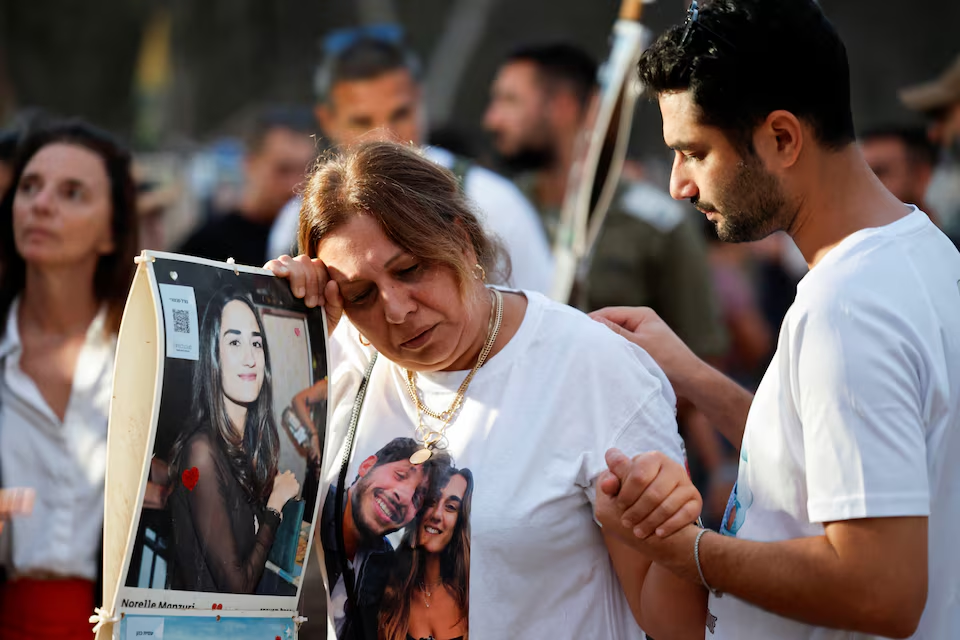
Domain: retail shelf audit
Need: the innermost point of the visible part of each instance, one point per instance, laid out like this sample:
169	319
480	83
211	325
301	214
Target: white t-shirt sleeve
648	421
858	390
512	219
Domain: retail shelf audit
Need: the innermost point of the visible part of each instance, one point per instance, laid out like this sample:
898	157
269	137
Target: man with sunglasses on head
368	81
843	521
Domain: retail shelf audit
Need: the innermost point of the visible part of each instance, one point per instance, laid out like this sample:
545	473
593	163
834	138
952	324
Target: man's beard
364	530
751	205
528	159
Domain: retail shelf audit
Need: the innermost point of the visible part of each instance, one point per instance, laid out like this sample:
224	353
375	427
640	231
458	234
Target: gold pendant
420	456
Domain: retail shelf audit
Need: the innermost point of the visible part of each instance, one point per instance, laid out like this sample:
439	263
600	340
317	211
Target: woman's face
62	209
241	353
411	311
440	518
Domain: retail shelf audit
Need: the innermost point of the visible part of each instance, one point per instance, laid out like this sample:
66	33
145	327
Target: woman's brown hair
418	204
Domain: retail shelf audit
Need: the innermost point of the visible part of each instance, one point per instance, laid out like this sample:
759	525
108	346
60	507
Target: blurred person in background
903	159
69	236
369	81
939	101
8	147
279	150
649	252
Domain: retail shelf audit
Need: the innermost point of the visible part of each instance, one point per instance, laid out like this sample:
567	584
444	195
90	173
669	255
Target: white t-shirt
536	423
858	415
502	208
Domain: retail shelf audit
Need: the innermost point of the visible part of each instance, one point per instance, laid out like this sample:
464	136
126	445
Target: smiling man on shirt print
386	496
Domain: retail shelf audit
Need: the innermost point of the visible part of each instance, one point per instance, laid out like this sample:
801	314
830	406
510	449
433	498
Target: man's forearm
803	579
721	400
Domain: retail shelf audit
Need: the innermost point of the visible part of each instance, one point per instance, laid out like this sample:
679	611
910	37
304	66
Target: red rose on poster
190	478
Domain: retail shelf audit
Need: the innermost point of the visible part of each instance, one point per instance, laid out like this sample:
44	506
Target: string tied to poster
102	616
233	263
299	620
143	258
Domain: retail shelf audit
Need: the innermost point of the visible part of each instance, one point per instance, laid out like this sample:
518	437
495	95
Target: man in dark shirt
279	149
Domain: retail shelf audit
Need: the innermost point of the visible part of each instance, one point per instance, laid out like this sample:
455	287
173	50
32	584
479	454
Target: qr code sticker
181	321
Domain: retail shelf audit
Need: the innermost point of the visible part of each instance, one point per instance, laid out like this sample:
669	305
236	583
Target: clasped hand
648	495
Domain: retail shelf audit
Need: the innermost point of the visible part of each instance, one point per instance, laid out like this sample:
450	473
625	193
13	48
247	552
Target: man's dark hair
743	59
919	148
365	59
561	64
396	449
402	448
295	118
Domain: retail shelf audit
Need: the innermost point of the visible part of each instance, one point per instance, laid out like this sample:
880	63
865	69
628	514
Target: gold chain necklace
426	591
433	438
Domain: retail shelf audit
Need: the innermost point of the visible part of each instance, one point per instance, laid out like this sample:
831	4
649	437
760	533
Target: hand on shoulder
643	327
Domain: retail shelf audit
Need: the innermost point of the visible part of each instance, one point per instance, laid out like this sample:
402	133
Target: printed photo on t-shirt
397	552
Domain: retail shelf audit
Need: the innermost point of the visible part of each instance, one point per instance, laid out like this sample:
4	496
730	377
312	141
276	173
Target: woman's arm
301	407
665	606
212	521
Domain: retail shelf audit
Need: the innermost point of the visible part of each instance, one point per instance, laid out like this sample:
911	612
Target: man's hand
643	327
649	494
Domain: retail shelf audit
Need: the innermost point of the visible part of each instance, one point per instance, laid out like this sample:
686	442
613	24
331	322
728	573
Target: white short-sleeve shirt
537	421
858	415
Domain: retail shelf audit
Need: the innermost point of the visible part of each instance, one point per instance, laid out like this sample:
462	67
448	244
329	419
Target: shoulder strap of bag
345	572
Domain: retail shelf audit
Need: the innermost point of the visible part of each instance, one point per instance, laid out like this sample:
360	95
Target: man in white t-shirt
844	519
369	82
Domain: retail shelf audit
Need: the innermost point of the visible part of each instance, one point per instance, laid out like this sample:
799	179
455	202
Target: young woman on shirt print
537	396
427	595
226	517
68	236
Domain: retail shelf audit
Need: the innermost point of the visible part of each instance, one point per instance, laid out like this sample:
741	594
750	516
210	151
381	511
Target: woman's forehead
356	246
64	161
237	311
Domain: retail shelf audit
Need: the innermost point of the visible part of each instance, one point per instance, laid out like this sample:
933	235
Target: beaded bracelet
696	558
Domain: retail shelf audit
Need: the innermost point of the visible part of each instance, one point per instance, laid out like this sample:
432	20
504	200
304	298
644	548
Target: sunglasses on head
693	20
340	40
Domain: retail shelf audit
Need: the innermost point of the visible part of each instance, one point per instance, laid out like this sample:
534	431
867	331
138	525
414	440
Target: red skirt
46	609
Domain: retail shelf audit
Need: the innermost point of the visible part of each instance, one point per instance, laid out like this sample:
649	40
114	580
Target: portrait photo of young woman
227	506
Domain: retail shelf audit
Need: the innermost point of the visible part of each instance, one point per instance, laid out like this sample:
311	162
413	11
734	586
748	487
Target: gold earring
363	341
482	276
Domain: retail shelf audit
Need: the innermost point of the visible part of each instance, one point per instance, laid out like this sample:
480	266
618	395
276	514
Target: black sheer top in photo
221	540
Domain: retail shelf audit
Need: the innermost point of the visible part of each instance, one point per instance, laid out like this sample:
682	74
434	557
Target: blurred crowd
237	198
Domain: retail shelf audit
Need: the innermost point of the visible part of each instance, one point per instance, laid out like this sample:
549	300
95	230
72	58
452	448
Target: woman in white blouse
67	243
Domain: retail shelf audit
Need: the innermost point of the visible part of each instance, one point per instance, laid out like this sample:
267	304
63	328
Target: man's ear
780	139
366	465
